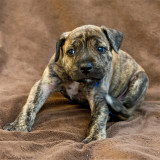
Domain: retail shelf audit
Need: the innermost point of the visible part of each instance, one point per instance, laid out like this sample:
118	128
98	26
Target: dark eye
101	49
71	52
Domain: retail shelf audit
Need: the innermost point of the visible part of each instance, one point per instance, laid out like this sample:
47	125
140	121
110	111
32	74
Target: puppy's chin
88	80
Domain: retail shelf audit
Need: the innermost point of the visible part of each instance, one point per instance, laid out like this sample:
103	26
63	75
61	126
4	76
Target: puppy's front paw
16	127
93	138
88	139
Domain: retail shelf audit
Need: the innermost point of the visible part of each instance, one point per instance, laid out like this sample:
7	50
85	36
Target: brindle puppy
89	67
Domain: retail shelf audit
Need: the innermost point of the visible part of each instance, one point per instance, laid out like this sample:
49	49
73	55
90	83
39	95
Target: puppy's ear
115	37
60	44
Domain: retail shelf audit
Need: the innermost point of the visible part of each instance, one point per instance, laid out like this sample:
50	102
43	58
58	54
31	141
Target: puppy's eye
101	49
71	52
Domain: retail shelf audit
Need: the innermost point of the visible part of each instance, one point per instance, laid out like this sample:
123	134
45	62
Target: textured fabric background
29	30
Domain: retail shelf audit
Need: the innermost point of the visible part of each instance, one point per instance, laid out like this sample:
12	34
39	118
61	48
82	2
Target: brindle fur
115	83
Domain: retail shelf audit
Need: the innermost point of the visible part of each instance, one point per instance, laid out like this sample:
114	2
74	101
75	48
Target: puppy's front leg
37	97
99	116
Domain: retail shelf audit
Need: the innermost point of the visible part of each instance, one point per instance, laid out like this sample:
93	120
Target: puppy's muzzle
86	68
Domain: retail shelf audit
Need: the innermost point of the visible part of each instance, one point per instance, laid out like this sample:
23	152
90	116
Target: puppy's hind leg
134	96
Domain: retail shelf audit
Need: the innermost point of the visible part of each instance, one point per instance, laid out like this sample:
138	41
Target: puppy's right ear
59	45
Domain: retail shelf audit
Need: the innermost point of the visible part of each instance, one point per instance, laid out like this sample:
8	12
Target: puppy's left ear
60	44
115	37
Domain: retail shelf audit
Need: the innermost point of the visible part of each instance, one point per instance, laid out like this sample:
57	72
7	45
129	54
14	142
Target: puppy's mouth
87	78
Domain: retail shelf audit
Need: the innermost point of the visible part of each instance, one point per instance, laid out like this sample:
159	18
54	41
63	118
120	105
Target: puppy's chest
73	91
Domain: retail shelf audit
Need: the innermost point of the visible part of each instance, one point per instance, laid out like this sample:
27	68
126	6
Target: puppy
88	67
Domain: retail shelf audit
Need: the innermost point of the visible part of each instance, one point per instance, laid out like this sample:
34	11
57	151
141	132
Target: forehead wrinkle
77	40
76	35
84	36
80	36
93	37
96	40
98	37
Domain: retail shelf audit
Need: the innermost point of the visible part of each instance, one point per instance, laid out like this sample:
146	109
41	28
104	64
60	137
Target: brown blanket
29	30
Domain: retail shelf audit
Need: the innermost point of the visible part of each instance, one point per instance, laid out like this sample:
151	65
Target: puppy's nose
86	68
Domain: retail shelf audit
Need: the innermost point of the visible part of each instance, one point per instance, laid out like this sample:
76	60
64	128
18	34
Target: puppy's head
85	53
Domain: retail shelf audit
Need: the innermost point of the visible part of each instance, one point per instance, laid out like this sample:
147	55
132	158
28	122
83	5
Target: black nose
86	67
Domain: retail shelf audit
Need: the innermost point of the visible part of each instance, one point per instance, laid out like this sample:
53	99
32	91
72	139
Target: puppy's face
85	53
